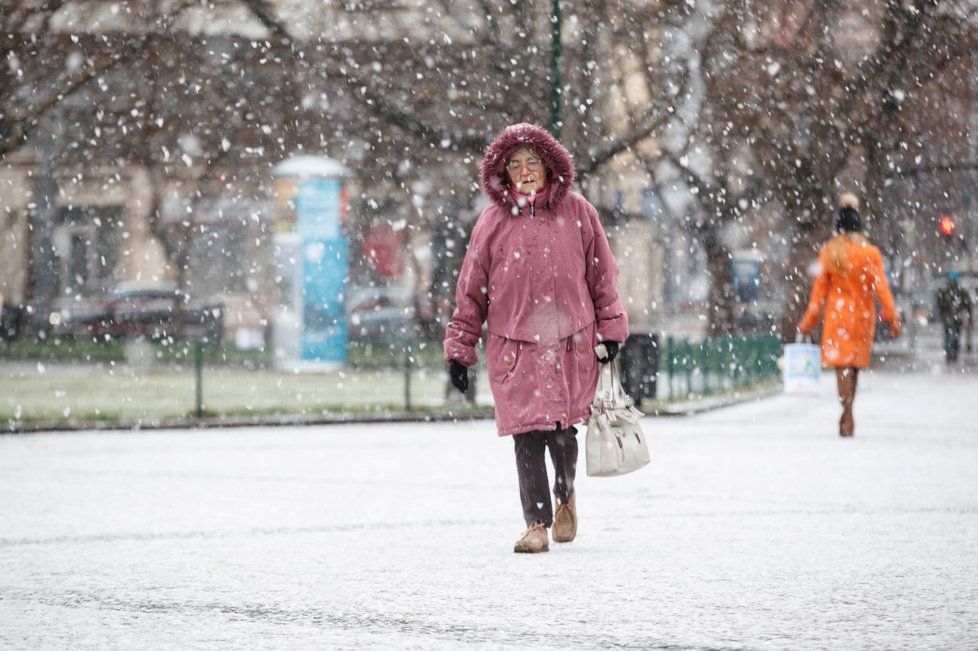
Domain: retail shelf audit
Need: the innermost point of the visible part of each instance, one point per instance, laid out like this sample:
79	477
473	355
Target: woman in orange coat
850	279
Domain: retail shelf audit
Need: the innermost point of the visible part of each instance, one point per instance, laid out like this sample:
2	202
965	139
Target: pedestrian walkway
754	527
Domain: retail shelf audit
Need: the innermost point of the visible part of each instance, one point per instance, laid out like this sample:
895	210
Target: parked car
82	313
759	316
133	309
380	314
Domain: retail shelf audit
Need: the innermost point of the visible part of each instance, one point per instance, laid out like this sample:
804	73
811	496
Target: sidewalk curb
701	405
338	418
687	408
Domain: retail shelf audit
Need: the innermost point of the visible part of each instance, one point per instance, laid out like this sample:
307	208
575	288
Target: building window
85	241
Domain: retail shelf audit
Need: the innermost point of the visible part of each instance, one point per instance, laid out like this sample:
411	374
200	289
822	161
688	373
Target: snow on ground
755	527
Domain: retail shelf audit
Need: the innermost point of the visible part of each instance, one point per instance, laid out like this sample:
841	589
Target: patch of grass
111	392
62	349
360	354
222	355
59	393
396	354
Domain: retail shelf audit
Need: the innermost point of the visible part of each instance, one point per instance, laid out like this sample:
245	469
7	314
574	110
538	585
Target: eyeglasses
532	164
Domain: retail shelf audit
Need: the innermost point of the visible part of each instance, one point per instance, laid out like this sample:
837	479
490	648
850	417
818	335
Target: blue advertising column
311	203
325	273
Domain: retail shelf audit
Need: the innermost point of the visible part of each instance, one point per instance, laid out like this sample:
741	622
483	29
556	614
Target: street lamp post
44	260
970	185
555	69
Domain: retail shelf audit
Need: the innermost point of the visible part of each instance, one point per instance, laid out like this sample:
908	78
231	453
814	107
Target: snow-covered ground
755	527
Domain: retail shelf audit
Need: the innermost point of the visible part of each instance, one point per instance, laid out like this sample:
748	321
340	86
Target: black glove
459	375
612	348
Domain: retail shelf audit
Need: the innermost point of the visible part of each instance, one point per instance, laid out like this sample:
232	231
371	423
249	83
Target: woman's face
526	171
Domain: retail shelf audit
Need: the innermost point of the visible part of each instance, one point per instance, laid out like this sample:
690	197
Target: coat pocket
505	358
581	346
510	357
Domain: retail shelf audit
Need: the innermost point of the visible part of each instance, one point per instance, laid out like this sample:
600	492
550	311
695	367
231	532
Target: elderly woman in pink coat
539	272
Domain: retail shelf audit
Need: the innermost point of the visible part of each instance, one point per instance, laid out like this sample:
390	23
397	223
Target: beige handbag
615	443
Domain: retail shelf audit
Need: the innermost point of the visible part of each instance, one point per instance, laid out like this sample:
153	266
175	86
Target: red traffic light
947	225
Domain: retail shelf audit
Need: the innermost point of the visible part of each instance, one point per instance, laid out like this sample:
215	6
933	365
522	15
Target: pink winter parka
542	276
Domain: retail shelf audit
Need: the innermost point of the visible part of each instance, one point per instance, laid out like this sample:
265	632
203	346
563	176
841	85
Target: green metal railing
82	381
720	364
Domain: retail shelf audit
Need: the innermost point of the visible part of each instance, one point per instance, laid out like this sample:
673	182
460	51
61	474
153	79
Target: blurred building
159	168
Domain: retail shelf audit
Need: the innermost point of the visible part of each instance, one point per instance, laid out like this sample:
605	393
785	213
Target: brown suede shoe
533	541
565	521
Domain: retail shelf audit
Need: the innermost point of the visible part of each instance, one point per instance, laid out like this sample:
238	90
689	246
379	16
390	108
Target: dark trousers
952	340
531	466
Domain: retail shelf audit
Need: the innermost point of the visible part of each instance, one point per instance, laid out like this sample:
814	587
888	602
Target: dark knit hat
847	220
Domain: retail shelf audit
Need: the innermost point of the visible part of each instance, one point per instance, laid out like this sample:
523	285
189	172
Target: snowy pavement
755	527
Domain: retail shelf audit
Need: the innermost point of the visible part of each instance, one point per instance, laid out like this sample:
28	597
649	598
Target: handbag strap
601	389
610	396
618	394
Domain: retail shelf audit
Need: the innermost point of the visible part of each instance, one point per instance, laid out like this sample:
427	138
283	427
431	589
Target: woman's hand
895	329
459	375
610	351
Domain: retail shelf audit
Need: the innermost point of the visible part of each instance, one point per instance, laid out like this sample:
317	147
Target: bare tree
816	88
725	197
43	66
488	65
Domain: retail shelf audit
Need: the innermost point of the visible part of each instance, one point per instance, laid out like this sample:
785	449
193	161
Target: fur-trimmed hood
560	165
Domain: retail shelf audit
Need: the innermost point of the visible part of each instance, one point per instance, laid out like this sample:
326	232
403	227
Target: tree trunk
174	238
722	299
798	282
809	229
883	230
874	222
441	287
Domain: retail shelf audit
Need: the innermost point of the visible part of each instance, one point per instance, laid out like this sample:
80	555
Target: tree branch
373	101
22	126
939	168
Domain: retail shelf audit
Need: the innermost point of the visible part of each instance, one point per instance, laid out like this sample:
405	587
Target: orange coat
850	279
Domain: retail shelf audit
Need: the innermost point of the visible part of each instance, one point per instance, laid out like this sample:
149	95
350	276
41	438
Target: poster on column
325	272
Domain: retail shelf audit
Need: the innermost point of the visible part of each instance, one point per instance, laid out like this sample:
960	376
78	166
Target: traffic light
947	226
952	244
